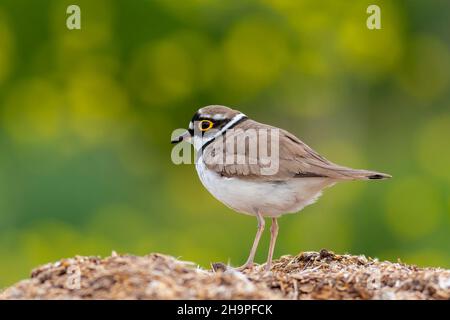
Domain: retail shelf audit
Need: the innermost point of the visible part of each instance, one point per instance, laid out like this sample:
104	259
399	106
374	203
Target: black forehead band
217	123
198	117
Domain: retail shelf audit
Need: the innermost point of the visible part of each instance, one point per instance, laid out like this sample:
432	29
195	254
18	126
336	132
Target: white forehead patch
218	116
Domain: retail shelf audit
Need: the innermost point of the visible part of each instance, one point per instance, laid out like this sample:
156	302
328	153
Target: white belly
271	199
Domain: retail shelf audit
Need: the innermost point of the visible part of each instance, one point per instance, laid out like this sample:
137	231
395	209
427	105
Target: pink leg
273	239
251	257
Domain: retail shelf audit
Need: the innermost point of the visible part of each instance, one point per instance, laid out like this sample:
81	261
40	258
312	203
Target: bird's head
208	123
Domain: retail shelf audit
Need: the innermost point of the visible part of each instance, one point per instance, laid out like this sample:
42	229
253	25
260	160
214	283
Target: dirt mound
309	275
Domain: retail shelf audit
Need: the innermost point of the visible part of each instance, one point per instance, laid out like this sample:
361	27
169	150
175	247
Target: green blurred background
86	118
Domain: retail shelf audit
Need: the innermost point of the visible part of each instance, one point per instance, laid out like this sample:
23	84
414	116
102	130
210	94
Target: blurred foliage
86	116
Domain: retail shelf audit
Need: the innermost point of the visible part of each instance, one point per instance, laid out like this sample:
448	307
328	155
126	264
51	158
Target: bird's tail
358	174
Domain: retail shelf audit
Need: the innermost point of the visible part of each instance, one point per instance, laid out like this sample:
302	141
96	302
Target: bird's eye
205	125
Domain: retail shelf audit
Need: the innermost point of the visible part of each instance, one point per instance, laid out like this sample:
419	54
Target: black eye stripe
219	123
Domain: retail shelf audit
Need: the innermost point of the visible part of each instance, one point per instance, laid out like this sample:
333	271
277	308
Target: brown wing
296	159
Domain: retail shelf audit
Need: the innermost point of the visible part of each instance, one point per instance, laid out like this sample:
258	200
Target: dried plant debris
326	275
154	276
309	275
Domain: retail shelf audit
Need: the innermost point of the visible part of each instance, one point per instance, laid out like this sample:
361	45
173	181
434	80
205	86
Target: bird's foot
247	265
267	267
219	266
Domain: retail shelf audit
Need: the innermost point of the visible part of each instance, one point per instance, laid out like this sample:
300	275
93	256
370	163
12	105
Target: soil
309	275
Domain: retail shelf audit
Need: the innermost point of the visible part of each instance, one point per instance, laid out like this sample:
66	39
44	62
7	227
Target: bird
301	173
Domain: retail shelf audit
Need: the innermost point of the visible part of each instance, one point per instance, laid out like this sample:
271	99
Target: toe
245	267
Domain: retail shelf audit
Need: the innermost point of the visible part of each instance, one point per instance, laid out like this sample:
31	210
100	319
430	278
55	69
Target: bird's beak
186	136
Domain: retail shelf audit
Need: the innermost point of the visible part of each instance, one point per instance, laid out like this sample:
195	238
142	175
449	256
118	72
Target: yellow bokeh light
426	74
34	111
370	53
170	70
433	147
255	54
413	207
97	106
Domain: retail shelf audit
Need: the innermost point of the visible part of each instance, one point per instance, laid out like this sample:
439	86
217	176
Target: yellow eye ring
205	125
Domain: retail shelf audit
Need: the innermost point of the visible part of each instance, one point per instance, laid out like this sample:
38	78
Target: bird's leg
251	257
273	239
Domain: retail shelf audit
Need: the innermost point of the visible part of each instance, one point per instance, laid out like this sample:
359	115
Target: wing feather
296	159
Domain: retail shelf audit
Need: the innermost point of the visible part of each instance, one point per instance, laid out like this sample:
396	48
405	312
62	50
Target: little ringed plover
237	175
